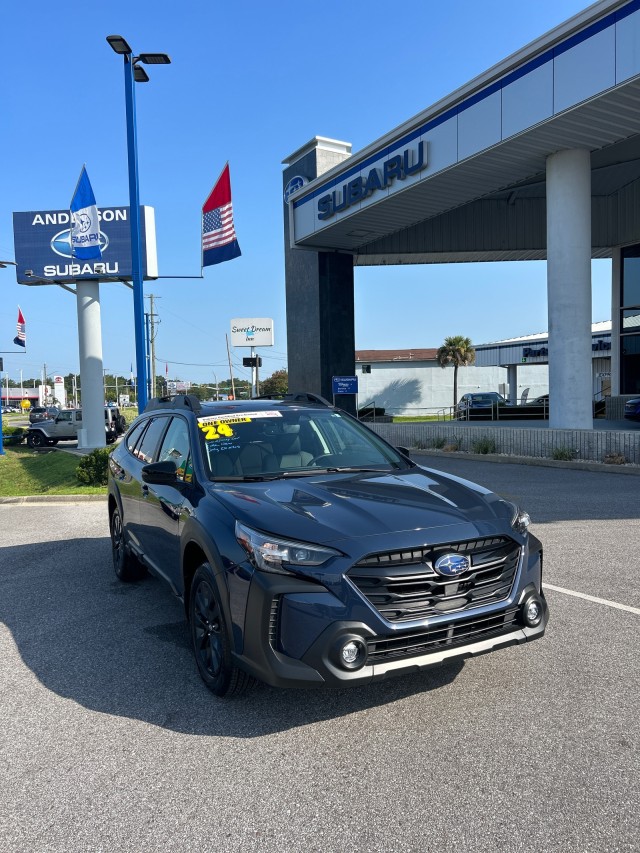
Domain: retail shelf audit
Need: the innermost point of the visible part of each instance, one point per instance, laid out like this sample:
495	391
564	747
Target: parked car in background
65	426
308	552
632	409
42	413
479	405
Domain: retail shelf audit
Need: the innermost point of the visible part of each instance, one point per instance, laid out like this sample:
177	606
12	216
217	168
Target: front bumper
315	625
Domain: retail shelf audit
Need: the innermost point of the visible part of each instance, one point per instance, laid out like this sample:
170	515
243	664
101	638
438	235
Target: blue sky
250	83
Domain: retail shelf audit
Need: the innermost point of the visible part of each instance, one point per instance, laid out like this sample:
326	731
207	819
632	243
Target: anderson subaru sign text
42	242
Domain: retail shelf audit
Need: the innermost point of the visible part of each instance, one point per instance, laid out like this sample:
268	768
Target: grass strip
41	472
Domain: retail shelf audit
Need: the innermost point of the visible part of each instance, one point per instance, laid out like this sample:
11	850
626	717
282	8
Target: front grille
445	636
403	585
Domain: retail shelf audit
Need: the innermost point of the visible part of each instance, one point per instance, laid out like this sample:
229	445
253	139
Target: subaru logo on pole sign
293	186
452	565
61	243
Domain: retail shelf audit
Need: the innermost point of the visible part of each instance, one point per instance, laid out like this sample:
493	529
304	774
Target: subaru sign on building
43	246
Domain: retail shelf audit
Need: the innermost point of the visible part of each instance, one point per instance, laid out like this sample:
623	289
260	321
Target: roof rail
187	401
296	397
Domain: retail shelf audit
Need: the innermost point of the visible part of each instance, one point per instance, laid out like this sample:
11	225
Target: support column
319	288
92	434
512	382
616	294
569	289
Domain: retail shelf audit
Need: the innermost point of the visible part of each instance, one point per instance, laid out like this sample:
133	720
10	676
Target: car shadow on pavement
124	650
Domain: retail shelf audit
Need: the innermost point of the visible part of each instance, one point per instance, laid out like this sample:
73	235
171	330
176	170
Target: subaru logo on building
293	186
61	243
452	565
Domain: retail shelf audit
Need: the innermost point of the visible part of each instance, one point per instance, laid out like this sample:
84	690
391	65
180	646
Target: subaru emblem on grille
452	565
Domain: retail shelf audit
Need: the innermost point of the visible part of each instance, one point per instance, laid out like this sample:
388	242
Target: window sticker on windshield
223	419
215	430
245	417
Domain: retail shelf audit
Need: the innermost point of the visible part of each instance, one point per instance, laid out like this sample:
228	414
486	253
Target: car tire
125	565
36	439
210	638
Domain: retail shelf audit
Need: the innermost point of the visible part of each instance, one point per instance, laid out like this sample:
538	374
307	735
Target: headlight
520	520
272	554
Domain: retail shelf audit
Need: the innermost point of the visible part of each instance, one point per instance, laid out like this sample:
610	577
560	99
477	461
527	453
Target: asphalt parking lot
109	741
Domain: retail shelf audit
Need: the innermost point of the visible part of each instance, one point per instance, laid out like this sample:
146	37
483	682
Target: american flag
219	241
21	327
217	227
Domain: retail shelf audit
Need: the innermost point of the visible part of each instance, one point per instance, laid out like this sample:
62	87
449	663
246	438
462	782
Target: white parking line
615	604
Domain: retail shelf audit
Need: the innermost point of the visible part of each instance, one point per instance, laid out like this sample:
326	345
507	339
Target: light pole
134	73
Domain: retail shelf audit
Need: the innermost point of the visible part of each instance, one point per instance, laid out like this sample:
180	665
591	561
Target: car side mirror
160	473
404	451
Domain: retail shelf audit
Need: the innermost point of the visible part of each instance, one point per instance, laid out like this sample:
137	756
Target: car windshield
291	442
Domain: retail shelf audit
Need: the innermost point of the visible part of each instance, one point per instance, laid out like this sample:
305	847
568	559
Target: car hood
328	508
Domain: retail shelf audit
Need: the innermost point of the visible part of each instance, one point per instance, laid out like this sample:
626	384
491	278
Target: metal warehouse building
537	158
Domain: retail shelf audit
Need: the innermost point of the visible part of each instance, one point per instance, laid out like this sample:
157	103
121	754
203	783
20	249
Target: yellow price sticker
216	430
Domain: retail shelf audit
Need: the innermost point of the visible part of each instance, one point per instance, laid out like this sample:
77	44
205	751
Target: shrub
12	435
563	454
438	442
483	445
92	470
450	447
615	459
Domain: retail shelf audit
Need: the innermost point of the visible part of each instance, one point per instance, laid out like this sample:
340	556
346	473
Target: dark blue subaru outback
308	552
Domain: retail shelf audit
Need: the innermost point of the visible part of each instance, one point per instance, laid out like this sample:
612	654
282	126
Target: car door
162	506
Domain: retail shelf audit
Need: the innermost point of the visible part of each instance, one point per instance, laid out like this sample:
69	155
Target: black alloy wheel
210	638
125	565
36	439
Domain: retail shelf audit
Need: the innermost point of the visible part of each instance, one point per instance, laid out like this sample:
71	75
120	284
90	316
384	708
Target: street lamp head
140	75
155	59
119	44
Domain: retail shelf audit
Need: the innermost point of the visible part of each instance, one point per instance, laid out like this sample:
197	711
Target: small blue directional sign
345	384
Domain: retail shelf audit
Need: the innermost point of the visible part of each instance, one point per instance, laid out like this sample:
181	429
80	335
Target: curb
539	461
40	499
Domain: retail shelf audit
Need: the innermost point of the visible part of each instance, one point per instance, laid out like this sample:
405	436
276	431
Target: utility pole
233	387
154	321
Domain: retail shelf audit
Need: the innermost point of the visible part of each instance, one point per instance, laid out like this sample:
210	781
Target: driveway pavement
109	741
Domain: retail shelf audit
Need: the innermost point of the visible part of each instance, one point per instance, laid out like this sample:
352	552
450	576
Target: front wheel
210	637
125	565
36	439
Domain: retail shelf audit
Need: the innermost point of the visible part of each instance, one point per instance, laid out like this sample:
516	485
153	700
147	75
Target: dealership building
537	158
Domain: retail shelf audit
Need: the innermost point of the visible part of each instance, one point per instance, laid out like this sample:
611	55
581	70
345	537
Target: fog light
350	652
353	654
532	612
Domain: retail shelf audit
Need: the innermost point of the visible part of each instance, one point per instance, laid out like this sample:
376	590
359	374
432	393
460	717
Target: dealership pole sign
44	255
252	332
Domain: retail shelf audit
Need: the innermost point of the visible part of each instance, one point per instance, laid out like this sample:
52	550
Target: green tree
277	383
458	351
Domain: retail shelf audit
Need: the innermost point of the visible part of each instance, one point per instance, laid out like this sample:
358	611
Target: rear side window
134	436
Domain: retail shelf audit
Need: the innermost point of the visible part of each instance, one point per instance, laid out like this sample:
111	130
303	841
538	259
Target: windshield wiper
355	469
247	478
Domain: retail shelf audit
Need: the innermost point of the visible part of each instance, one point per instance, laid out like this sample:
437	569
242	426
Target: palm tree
458	351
